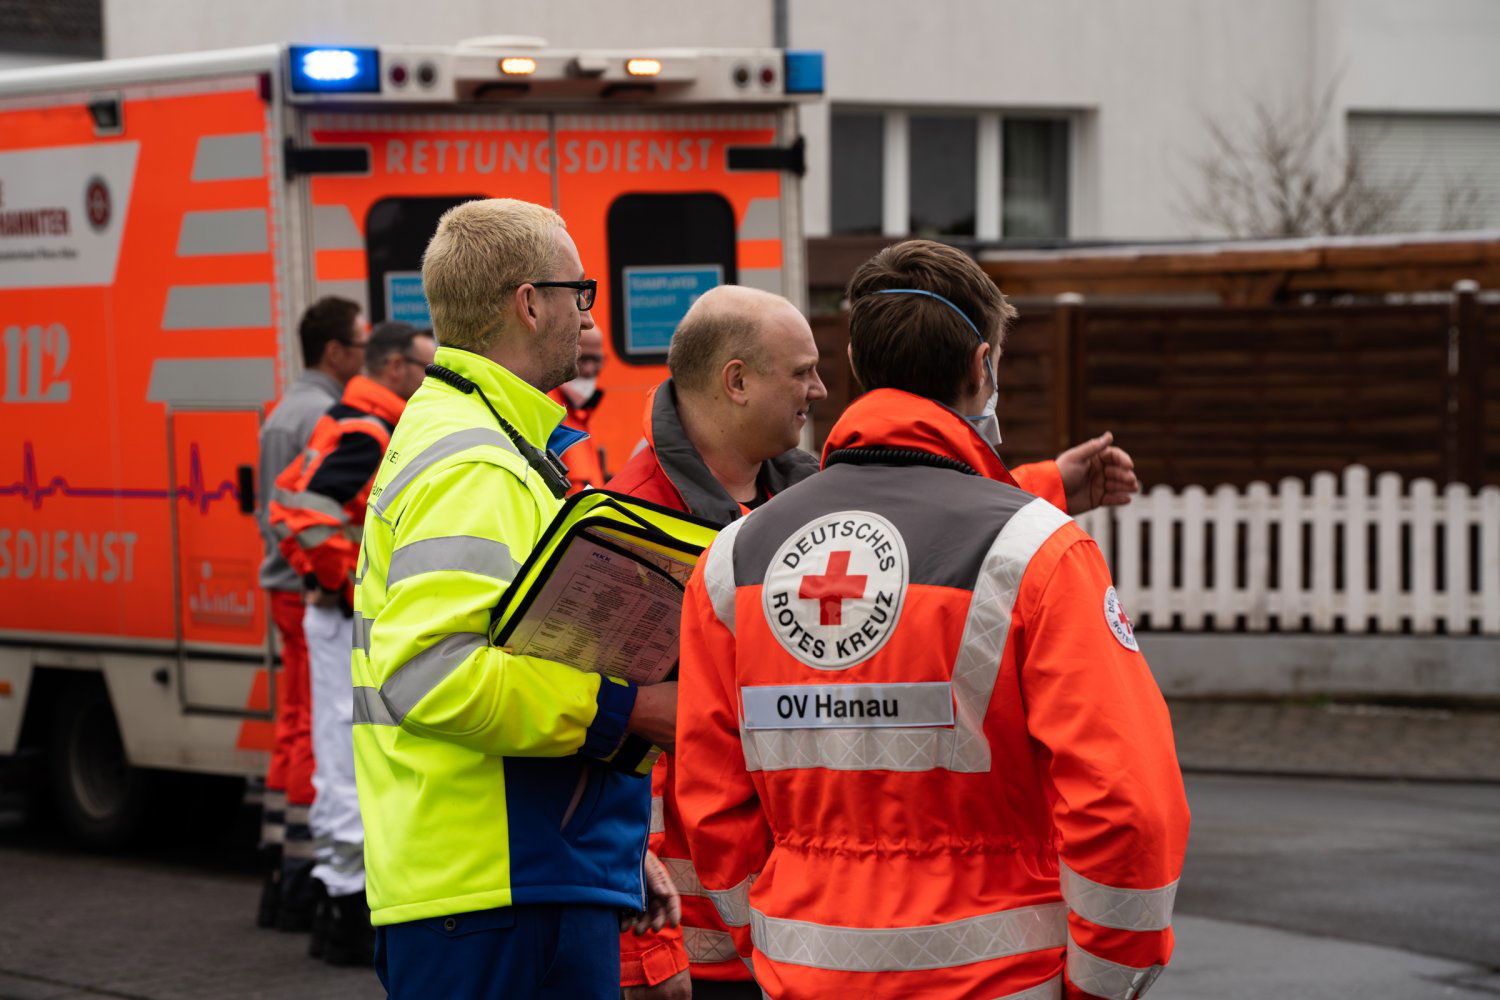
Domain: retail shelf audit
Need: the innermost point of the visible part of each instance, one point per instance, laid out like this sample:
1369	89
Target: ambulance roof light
335	70
643	67
518	65
804	72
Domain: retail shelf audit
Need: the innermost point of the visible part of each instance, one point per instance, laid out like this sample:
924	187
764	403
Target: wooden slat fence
1417	560
1214	394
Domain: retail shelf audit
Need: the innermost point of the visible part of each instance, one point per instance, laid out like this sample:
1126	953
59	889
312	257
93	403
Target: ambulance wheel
100	799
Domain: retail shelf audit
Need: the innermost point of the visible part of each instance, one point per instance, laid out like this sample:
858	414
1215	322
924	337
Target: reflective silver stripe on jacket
658	818
1104	978
315	535
1050	990
307	500
733	904
434	453
370	710
451	554
907	949
718	574
708	946
414	679
361	632
1122	909
964	747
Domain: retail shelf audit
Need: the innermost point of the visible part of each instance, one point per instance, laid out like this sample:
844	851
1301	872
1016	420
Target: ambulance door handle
245	478
325	159
791	158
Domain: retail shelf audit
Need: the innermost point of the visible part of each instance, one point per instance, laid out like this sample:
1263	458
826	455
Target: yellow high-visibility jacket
476	768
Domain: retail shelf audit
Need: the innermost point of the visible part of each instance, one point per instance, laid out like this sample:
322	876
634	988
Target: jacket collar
322	381
532	413
894	419
366	394
681	463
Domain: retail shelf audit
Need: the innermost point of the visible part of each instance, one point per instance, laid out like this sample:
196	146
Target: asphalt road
1295	888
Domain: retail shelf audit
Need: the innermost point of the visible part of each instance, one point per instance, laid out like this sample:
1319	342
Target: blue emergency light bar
321	70
804	72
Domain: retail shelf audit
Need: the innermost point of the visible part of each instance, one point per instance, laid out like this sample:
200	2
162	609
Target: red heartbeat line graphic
196	491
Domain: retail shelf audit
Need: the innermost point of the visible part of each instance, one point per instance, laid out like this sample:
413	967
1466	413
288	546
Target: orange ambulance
164	222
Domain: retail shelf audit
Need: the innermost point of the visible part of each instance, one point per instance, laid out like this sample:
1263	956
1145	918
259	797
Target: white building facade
1011	119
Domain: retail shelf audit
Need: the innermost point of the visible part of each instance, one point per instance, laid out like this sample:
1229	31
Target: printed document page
605	611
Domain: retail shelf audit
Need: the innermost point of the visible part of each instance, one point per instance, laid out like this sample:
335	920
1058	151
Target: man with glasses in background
333	336
499	849
581	396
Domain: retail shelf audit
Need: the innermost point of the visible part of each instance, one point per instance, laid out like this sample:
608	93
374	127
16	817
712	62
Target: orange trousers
292	756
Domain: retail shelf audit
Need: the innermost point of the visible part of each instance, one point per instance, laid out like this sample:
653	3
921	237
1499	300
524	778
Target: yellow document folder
602	591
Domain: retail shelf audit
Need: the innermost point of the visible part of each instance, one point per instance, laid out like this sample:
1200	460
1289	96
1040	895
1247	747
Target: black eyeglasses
586	290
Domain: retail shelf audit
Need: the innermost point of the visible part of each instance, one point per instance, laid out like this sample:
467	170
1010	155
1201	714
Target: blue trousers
543	950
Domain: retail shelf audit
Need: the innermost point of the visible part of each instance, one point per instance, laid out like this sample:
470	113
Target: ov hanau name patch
834	590
1119	624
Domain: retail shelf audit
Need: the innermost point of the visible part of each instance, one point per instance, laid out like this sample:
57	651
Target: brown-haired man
722	437
333	335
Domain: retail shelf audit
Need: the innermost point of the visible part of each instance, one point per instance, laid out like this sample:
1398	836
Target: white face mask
987	424
581	389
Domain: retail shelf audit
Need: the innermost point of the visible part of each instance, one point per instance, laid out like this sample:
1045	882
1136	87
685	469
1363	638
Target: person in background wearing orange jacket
925	756
332	334
317	512
581	396
721	439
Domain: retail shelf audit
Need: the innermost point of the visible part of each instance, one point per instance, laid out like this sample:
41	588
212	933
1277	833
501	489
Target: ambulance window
665	250
396	233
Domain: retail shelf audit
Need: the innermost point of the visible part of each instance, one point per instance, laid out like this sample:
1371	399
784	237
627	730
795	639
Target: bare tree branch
1285	176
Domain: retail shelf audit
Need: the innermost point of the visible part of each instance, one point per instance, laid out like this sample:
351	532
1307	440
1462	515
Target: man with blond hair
499	849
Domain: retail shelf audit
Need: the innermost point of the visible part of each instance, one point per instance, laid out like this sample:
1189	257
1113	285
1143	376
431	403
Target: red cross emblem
832	588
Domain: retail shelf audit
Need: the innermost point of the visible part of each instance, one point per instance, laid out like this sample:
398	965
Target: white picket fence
1328	560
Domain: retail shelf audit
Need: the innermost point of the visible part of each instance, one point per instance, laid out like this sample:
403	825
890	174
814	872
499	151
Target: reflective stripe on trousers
962	748
909	949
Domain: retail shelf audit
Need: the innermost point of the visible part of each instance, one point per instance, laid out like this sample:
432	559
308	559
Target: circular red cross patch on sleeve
1119	623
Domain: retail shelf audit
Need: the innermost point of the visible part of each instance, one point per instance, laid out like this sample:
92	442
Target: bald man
721	439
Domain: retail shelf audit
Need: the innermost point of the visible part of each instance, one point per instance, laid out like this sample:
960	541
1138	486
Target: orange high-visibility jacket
669	471
920	753
317	509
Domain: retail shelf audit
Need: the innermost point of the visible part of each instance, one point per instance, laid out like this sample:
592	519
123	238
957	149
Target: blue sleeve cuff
607	731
